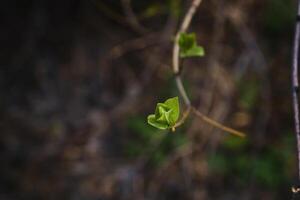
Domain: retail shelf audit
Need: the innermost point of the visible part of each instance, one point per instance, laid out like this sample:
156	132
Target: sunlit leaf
166	114
188	46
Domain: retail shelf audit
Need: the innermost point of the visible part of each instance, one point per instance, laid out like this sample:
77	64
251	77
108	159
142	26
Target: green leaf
160	125
187	41
173	103
193	52
188	46
166	114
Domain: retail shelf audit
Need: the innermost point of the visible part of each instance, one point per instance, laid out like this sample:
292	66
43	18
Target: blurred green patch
147	141
278	21
174	7
235	143
153	10
279	15
218	164
249	92
270	167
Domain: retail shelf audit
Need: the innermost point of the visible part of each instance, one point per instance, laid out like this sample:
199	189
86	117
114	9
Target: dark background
79	77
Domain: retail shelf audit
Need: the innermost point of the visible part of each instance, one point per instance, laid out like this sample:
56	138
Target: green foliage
249	93
175	7
153	10
271	167
218	164
144	137
166	114
279	16
148	141
267	171
278	20
235	143
188	46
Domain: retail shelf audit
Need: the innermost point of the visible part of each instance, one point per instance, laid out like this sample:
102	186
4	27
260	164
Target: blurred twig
131	17
129	21
110	13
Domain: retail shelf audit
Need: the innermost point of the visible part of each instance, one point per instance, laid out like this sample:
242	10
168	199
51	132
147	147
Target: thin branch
295	83
176	70
182	90
184	26
184	117
110	13
217	124
131	17
133	45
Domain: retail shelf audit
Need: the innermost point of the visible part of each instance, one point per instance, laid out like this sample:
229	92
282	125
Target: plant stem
217	124
183	28
176	70
184	117
295	83
182	90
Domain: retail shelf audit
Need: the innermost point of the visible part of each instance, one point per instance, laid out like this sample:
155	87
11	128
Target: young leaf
166	114
187	41
174	105
188	46
160	125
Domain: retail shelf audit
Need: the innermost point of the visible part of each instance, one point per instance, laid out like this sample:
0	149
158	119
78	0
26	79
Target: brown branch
133	45
183	28
131	17
217	124
183	118
176	70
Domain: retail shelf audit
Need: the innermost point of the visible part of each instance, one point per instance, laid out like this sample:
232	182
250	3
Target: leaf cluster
166	114
189	47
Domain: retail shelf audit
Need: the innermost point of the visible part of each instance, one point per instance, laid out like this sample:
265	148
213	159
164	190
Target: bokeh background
79	77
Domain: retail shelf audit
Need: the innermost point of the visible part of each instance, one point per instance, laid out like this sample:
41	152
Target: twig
295	83
182	90
133	45
176	70
207	120
184	116
184	26
217	124
131	17
115	16
110	13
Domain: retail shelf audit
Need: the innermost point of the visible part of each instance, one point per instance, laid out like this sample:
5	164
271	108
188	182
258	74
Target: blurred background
79	77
